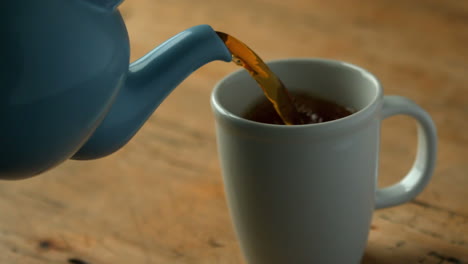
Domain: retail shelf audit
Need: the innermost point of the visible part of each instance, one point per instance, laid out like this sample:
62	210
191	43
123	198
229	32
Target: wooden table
161	199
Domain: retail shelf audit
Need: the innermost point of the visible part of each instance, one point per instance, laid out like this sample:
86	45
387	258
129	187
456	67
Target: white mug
305	194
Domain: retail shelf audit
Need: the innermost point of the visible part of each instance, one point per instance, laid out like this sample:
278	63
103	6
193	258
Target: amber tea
271	85
311	109
281	107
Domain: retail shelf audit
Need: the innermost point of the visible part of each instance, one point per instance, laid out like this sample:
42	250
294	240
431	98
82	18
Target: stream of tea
271	85
288	109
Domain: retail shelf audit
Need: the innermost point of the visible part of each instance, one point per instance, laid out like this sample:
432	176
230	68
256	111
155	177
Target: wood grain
161	199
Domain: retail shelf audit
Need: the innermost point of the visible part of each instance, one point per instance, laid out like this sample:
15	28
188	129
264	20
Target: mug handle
423	167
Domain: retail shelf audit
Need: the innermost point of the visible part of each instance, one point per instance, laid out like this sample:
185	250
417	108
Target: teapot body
62	65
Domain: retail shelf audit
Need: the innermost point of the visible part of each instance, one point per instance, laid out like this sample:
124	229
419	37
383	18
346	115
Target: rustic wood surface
161	199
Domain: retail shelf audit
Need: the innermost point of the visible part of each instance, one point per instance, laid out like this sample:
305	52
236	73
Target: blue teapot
67	90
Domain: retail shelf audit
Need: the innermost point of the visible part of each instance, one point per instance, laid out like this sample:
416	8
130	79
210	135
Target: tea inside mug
338	82
311	108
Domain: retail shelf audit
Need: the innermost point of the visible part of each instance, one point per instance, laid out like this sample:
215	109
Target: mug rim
361	114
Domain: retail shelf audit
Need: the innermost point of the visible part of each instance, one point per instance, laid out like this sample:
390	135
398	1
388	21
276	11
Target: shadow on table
387	256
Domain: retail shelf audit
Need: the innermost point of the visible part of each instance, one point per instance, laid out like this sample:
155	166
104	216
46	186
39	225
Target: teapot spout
149	81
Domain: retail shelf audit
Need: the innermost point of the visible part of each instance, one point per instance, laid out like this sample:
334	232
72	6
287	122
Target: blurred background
161	199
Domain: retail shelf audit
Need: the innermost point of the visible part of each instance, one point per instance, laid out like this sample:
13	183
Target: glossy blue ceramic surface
66	87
